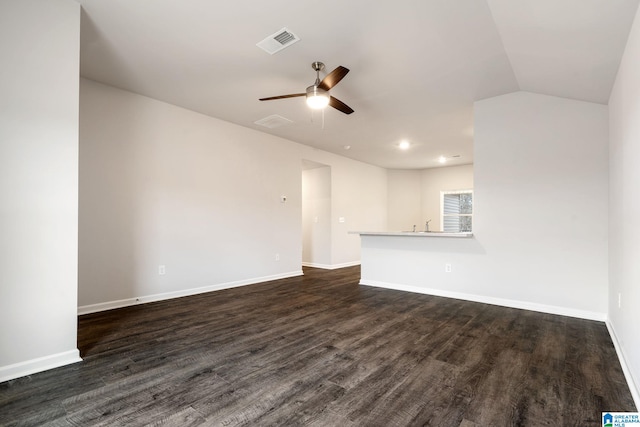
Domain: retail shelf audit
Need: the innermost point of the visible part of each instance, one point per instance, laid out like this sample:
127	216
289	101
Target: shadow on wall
110	216
316	214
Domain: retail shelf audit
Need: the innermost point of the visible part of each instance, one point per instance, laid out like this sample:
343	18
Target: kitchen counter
434	263
411	233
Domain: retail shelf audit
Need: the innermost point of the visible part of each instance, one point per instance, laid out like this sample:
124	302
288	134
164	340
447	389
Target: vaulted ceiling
416	66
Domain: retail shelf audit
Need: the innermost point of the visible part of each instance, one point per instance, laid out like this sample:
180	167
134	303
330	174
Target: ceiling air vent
273	121
278	41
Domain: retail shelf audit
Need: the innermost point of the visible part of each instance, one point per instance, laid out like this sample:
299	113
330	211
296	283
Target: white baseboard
330	266
563	311
109	305
633	386
39	364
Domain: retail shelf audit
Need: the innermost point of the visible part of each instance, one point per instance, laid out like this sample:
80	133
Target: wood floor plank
429	381
311	405
543	387
373	390
322	350
58	422
501	398
269	387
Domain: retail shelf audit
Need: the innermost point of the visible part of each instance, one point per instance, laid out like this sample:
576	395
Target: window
457	211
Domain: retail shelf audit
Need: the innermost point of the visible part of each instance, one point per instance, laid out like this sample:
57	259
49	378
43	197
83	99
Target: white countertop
412	233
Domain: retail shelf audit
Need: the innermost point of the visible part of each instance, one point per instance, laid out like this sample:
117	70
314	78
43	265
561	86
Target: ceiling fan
318	94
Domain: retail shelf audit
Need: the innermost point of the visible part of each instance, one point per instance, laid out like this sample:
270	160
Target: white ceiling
416	66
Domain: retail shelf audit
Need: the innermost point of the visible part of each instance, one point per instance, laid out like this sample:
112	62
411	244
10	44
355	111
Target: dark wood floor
321	350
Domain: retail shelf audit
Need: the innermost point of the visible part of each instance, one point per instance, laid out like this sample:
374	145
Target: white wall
39	47
624	208
405	199
414	195
161	185
316	217
434	181
541	186
540	235
359	202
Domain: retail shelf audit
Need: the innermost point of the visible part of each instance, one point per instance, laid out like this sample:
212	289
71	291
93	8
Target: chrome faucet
426	225
414	228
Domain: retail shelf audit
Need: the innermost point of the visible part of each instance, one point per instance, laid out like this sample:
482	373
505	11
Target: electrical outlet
161	270
447	268
277	257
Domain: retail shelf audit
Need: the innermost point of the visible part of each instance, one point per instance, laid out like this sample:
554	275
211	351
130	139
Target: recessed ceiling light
404	145
442	159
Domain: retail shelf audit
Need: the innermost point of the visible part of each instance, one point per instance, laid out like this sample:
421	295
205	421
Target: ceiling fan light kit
317	98
318	94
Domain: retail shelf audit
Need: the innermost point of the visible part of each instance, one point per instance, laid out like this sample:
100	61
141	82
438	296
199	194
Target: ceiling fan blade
293	95
339	105
333	78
